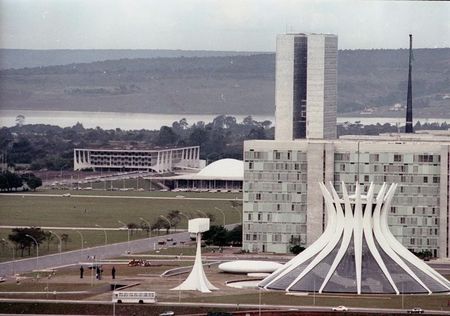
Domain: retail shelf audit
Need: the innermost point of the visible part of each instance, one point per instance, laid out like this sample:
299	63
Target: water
130	121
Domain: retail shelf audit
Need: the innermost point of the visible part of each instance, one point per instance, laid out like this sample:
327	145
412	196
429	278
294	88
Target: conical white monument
197	281
357	253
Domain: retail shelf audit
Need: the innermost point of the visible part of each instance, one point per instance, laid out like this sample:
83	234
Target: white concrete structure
224	175
158	160
197	280
357	253
305	93
249	266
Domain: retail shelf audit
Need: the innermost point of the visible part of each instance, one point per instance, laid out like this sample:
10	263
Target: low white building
221	175
157	160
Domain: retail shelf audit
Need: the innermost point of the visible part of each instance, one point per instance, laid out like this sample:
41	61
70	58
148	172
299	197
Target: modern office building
157	160
282	202
305	92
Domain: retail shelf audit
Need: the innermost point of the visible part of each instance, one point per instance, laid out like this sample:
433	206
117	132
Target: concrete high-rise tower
306	84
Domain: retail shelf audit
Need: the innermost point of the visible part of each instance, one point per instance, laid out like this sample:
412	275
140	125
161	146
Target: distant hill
367	79
29	58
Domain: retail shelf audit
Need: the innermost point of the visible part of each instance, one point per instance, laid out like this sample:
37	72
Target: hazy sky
243	25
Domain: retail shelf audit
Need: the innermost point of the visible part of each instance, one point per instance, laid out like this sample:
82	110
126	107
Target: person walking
113	272
81	272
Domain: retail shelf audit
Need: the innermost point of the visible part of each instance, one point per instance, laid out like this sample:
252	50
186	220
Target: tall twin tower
306	84
305	89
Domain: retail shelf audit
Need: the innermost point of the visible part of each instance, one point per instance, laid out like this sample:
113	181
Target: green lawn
85	212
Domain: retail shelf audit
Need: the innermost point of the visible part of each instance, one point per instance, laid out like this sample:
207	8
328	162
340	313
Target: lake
130	121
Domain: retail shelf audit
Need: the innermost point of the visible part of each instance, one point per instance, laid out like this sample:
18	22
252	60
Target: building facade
283	202
305	92
158	160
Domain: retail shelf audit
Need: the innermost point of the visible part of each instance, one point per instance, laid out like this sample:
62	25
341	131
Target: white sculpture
357	253
197	281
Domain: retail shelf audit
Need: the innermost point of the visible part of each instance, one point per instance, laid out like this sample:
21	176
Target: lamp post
223	214
37	249
13	253
148	224
185	216
60	245
202	213
104	231
239	213
128	235
82	242
167	220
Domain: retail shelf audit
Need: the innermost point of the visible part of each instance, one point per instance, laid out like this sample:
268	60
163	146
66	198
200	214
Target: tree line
12	181
49	147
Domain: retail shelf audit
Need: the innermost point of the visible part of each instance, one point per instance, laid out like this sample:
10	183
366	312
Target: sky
229	25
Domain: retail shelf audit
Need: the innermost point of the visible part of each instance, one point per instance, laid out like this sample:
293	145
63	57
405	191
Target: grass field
85	212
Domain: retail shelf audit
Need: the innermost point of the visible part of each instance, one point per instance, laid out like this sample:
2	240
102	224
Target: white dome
224	168
249	266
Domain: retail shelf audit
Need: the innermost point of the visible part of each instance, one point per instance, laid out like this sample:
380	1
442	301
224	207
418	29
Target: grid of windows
274	199
414	213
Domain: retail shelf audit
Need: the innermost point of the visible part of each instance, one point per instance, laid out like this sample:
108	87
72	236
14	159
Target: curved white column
364	218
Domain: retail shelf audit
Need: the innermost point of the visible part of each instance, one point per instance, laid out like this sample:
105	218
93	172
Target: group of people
98	272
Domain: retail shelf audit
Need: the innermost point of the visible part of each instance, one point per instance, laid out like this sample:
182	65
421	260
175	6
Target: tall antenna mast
409	123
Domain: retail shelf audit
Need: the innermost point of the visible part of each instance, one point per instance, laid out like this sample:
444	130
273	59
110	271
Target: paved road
181	197
383	311
73	257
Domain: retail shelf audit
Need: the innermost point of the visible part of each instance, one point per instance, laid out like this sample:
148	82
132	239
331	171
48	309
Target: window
397	158
259	216
278	207
258	196
425	179
292	207
250	165
249	216
402	220
366	178
435	179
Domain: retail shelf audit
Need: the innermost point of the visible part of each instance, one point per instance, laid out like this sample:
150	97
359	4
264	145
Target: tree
234	236
174	218
10	181
160	223
216	235
65	238
166	136
31	181
22	241
295	247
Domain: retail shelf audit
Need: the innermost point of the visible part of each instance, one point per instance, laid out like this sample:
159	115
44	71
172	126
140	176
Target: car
415	310
66	195
167	313
169	239
340	308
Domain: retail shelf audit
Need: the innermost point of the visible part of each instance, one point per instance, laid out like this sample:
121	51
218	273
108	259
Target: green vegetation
11	181
51	147
220	236
228	84
84	212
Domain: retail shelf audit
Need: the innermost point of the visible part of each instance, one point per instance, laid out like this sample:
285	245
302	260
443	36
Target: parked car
415	310
340	308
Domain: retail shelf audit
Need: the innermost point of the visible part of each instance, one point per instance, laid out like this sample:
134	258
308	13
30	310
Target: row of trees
11	181
51	147
21	239
220	236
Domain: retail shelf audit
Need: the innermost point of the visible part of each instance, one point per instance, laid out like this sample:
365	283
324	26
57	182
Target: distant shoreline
152	121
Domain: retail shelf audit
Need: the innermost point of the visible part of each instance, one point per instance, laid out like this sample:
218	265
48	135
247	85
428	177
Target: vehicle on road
169	239
415	310
340	308
161	242
66	195
140	297
167	313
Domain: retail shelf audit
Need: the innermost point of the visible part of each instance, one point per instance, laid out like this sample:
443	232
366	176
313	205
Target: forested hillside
226	85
